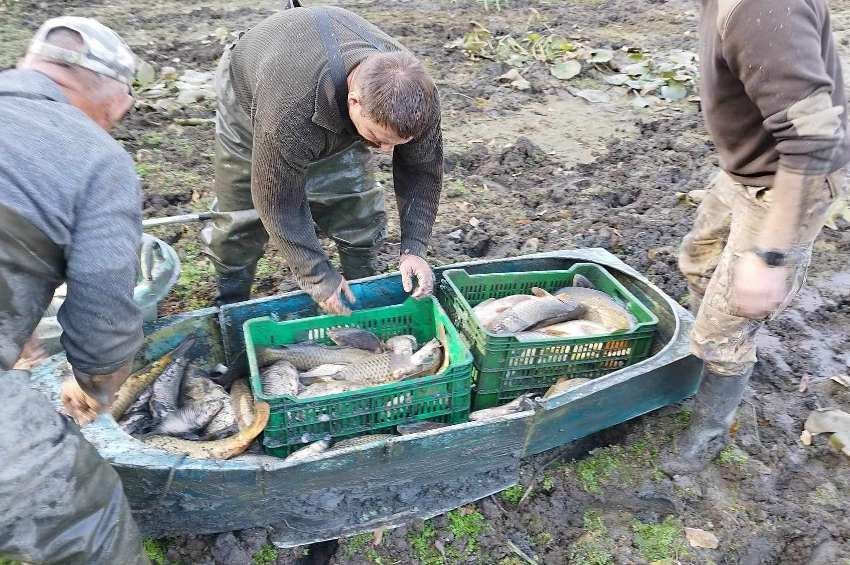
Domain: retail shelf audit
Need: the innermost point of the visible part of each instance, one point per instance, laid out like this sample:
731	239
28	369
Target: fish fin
540	292
582	281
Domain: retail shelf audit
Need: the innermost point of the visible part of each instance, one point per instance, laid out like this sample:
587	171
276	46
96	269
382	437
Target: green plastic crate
505	367
444	397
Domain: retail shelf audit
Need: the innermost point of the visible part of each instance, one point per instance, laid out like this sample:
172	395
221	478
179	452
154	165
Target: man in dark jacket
774	102
300	98
70	210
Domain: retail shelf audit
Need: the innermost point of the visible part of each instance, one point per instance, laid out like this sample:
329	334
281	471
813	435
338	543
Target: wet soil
533	171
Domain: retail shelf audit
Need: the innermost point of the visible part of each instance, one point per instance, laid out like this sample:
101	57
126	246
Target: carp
280	378
521	403
356	337
306	356
306	452
361	440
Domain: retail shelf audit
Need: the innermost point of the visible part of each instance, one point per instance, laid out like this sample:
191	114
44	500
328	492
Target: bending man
301	98
70	210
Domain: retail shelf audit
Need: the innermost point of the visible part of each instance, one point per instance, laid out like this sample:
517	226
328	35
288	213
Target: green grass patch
152	139
664	540
548	483
467	525
355	544
455	188
4	561
592	471
595	546
265	555
513	494
731	456
155	549
422	543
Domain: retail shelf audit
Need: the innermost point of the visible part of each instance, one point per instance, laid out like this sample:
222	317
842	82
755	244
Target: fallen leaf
824	421
530	246
843	380
806	437
697	196
674	91
701	538
592	96
841	441
566	70
601	56
635	69
640	102
474	222
515	79
804	382
168	74
145	73
616	80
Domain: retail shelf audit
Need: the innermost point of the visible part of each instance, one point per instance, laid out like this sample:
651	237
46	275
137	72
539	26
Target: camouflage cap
103	51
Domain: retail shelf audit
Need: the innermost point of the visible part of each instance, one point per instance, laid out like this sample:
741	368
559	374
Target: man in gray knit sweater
301	97
774	102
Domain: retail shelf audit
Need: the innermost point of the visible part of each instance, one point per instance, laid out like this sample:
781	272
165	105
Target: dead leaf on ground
515	79
804	382
592	96
843	380
806	437
566	70
841	441
825	421
700	538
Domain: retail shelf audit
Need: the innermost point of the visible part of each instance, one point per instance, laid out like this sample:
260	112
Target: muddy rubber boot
357	262
235	286
713	414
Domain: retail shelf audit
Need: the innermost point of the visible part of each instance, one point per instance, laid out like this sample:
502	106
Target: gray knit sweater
65	175
280	75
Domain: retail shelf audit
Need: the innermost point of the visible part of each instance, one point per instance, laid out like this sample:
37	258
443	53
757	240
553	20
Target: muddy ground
539	169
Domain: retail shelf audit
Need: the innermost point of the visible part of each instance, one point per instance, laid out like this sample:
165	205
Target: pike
218	449
140	380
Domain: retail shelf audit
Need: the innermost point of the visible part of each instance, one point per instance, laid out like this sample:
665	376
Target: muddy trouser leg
60	502
348	206
702	247
236	242
724	341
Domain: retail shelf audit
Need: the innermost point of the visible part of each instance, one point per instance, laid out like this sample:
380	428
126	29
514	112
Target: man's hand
32	354
79	405
757	289
415	266
334	303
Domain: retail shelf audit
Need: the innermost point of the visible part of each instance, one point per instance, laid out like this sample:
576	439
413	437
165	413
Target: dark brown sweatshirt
281	78
771	88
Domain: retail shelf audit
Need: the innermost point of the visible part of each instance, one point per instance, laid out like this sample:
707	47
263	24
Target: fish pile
175	405
358	359
575	311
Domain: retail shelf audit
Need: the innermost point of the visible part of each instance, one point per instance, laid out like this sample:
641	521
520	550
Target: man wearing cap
69	211
301	98
773	98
